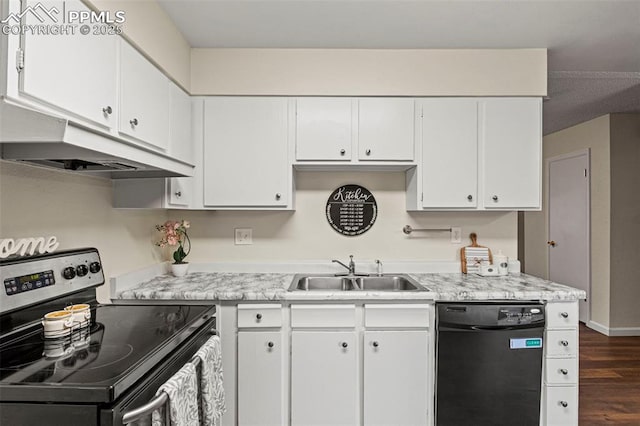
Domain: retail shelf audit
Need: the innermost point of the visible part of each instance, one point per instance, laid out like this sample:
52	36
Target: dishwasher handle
471	327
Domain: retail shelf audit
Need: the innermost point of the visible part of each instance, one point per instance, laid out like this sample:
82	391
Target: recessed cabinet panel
245	152
324	128
395	378
386	129
511	140
449	153
145	99
76	72
324	378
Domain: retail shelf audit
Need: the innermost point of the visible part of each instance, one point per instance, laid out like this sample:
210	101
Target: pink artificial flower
172	241
176	225
186	224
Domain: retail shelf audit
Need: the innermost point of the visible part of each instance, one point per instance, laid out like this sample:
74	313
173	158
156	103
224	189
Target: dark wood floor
609	379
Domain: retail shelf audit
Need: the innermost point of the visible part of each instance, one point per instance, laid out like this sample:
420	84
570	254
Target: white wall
305	234
369	72
77	209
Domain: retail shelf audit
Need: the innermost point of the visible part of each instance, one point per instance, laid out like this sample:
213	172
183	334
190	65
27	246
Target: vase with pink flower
174	233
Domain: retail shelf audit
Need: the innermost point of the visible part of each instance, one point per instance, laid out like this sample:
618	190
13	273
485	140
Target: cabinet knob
178	193
107	110
134	122
494	198
259	317
368	152
342	152
564	343
375	344
470	197
270	344
278	196
564	314
564	371
565	404
345	344
551	243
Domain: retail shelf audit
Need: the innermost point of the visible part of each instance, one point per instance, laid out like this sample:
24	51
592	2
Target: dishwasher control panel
519	315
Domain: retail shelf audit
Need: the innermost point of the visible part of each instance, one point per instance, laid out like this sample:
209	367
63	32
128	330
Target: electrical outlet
244	236
456	235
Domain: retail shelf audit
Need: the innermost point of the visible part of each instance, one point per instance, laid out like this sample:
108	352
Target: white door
324	128
449	153
386	129
74	72
396	378
511	147
246	152
569	224
324	378
260	378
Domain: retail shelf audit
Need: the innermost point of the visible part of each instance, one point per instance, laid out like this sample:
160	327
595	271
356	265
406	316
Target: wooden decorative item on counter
472	256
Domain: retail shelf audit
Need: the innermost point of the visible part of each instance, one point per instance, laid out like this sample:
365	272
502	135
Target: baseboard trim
614	331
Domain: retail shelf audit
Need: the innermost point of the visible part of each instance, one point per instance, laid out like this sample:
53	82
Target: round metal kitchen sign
351	210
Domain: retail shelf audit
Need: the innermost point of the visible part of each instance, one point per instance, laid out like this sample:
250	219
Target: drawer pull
564	314
258	317
270	344
565	404
345	344
375	344
564	371
564	343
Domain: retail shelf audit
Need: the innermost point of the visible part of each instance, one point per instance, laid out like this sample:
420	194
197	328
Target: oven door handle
146	409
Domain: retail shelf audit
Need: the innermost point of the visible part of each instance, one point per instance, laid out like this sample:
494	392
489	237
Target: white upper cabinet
246	152
76	73
449	153
386	129
324	128
511	146
145	99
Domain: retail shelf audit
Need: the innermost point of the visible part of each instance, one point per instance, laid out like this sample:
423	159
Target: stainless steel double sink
391	282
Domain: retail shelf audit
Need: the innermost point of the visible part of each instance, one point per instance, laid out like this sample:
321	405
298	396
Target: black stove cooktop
97	363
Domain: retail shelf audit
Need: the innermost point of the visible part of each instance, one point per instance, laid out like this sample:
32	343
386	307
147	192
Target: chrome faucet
352	266
379	265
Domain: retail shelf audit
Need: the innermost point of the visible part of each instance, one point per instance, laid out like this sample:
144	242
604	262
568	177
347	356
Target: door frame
548	161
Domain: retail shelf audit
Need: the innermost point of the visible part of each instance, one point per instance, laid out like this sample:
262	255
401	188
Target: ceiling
594	46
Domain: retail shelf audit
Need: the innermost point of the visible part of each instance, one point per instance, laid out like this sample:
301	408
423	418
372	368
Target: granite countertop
273	287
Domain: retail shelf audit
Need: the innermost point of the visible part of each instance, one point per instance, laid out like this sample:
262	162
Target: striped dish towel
474	256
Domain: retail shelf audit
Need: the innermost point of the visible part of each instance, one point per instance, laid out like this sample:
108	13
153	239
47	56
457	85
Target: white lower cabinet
324	378
562	406
260	378
395	378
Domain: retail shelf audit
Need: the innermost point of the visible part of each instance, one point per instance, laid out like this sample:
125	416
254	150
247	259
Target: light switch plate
456	235
244	236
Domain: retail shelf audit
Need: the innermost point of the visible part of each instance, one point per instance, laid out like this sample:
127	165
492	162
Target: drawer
561	371
562	343
416	316
561	405
259	316
561	314
323	316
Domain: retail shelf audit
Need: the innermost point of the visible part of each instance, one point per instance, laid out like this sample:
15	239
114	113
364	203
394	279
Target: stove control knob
82	270
94	267
69	273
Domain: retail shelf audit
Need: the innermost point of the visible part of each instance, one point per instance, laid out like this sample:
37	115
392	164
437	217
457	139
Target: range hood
38	138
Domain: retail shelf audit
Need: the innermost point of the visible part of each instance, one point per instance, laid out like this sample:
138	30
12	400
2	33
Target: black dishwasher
489	363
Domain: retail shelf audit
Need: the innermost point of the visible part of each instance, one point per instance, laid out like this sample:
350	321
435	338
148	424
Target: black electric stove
96	373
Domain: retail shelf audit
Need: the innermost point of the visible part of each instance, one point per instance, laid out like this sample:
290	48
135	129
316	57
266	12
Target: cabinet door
144	99
260	378
396	378
386	129
324	128
245	152
449	153
181	141
324	378
180	191
76	73
512	151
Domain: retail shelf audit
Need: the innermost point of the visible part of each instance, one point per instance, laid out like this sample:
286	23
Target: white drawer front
562	343
259	316
323	316
561	371
562	406
560	314
396	316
